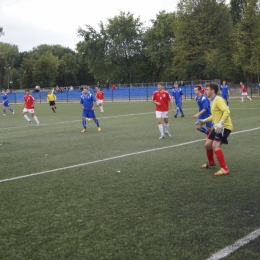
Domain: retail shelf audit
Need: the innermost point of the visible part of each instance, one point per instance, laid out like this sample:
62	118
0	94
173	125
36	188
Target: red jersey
202	91
243	88
29	100
100	95
162	97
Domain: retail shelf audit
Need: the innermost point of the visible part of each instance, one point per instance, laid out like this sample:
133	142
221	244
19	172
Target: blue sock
204	130
181	111
97	123
84	123
4	111
227	103
177	112
11	109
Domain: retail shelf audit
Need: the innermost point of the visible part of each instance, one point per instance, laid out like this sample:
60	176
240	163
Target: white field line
239	243
113	158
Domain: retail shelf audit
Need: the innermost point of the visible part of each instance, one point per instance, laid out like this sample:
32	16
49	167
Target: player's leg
177	110
92	114
182	113
25	116
84	121
209	151
9	108
101	106
218	141
4	111
35	117
242	98
159	121
249	98
166	124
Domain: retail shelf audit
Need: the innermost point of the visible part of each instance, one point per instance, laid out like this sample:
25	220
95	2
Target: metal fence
127	93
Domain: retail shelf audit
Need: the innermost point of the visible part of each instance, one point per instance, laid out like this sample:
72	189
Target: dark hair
160	83
27	90
213	86
198	87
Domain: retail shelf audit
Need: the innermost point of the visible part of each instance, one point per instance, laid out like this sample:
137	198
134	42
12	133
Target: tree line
202	39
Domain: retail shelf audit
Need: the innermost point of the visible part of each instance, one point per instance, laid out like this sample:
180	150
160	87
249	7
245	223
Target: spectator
107	85
71	88
98	85
114	87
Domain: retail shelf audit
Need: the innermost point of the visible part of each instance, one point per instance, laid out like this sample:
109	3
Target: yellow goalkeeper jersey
51	97
220	111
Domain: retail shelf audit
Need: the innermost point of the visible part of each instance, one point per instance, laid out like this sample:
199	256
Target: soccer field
122	193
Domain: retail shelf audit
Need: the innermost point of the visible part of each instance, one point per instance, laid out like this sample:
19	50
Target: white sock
101	108
27	118
242	98
160	128
36	119
248	97
166	125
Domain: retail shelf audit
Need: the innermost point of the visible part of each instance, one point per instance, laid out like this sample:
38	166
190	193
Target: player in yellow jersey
51	98
220	115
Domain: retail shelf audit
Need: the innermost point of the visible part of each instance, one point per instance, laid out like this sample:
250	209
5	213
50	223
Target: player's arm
171	104
81	104
94	104
200	113
155	102
224	109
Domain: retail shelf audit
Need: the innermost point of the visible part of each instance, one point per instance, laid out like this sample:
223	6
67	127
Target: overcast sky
29	23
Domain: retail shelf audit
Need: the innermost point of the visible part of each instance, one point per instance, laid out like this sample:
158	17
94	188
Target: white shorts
244	93
26	110
99	101
161	114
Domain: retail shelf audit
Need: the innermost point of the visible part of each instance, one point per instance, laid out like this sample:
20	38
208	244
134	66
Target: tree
46	70
247	39
158	47
27	68
236	10
203	40
114	51
1	31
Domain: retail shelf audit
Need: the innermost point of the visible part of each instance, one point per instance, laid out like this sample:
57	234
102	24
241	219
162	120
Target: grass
152	205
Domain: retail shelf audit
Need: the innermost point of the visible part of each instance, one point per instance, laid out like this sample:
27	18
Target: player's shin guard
97	123
27	118
11	109
181	111
160	128
101	108
84	123
221	159
177	112
4	111
166	125
36	119
204	130
210	156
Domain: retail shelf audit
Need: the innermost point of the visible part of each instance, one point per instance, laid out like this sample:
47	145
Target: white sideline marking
239	243
113	158
102	160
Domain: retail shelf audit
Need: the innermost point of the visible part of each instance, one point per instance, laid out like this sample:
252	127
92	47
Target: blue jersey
5	100
87	101
203	103
177	94
259	86
224	89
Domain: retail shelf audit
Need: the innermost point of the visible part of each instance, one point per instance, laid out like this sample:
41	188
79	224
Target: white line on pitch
239	243
113	158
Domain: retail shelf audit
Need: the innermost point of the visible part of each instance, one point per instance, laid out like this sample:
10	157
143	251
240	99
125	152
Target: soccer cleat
222	172
206	165
29	122
161	137
13	112
102	111
175	116
84	130
251	100
99	129
4	114
38	124
167	133
182	115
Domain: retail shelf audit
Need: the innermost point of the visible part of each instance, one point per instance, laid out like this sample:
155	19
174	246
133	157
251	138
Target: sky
29	23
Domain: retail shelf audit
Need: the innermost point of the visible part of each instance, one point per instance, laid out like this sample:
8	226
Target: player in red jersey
244	92
29	107
161	99
100	98
202	91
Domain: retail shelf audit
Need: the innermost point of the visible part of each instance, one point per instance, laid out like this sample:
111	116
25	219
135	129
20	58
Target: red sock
210	156
221	159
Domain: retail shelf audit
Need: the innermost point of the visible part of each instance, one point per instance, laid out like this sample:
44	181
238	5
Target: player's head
160	86
197	90
97	89
3	92
241	83
176	84
85	90
27	91
224	82
211	89
49	91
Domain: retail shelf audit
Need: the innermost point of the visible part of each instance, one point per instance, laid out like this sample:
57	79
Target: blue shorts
225	97
208	124
88	113
6	104
178	104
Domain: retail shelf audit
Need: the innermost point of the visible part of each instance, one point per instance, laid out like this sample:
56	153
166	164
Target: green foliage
236	10
1	31
46	70
203	40
247	39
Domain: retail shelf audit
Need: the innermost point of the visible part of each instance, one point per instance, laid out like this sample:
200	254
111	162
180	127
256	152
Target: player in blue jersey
177	95
204	110
224	91
88	103
6	103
